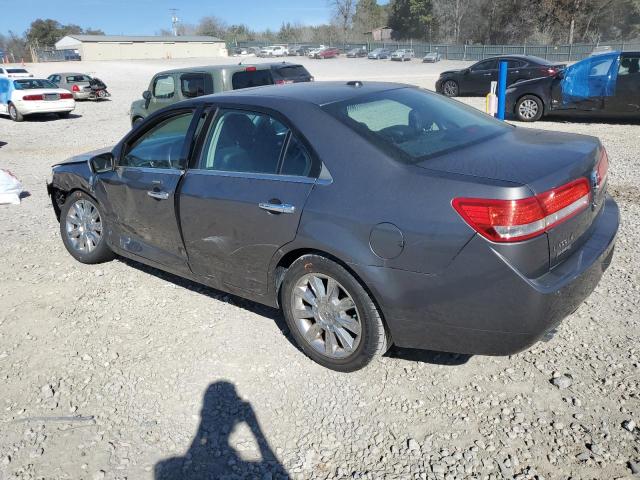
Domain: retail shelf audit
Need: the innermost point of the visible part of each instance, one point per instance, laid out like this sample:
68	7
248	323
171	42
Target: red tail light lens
602	168
33	97
65	96
517	220
250	69
75	88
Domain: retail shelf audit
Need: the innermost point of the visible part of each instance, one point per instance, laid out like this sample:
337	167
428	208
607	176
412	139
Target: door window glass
192	85
241	141
486	65
162	146
629	65
296	159
164	87
515	64
255	78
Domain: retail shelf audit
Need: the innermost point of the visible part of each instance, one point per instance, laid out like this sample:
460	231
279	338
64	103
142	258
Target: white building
124	47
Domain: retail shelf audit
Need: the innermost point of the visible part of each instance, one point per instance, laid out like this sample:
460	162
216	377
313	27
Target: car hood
84	157
522	156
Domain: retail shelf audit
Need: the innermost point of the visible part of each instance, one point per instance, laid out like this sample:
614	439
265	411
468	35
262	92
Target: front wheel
83	229
529	109
450	88
331	316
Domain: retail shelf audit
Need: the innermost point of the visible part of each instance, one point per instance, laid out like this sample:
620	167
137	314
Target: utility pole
174	21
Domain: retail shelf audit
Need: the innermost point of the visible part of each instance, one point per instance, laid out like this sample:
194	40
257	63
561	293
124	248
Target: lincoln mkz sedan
370	213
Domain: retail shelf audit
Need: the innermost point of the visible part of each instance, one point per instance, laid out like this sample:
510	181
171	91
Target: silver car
432	57
402	54
76	83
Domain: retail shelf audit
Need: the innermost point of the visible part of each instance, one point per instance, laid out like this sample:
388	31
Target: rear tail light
549	70
33	97
66	96
75	88
602	168
517	220
250	69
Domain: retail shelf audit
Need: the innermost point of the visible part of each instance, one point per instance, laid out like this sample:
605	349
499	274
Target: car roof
236	67
317	93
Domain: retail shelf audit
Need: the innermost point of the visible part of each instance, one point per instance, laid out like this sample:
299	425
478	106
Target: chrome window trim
151	169
254	176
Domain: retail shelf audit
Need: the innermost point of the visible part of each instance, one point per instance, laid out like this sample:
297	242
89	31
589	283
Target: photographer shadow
211	456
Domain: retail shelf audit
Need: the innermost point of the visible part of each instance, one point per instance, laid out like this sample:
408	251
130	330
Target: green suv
171	86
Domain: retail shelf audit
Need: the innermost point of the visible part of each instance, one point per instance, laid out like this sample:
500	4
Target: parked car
357	52
239	52
402	54
432	57
14	72
274	51
81	85
605	85
327	52
476	80
22	97
300	50
379	53
479	239
171	86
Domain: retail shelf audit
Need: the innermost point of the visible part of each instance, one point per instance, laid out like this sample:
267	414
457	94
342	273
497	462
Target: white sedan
28	96
15	72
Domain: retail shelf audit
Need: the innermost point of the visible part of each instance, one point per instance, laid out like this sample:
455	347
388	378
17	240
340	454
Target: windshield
32	83
78	78
16	70
413	124
293	71
377	50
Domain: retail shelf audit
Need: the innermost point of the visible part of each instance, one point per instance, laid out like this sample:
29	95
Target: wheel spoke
304	312
312	334
317	286
330	343
350	324
332	289
307	295
345	339
345	304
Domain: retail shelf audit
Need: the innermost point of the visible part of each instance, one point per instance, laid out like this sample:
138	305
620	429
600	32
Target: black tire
373	338
99	252
15	115
450	88
136	121
529	108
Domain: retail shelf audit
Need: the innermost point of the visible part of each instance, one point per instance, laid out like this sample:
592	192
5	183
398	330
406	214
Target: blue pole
502	88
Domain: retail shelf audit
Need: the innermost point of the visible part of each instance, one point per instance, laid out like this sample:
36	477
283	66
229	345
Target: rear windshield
32	83
292	71
77	78
255	78
16	70
413	124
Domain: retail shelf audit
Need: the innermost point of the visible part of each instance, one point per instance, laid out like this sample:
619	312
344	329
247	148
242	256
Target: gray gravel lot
121	371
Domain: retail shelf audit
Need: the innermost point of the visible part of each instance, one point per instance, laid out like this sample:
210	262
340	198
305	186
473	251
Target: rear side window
255	78
413	125
296	159
486	65
164	87
515	64
192	85
293	71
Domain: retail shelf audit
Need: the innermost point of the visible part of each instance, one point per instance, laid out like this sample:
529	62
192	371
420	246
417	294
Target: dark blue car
371	213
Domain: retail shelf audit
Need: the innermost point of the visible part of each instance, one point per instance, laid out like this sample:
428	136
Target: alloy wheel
528	109
450	88
326	315
84	226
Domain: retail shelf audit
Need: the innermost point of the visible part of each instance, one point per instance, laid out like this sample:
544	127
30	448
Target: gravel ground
121	371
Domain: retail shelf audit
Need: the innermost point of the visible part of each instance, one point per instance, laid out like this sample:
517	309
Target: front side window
241	141
629	65
486	65
164	87
160	147
413	125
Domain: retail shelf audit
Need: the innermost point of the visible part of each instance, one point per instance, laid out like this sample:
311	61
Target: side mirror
146	95
102	163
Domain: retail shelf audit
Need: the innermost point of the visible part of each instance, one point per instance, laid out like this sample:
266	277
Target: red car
326	53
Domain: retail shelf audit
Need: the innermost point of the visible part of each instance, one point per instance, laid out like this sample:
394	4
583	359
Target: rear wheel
83	230
331	316
15	115
450	88
529	108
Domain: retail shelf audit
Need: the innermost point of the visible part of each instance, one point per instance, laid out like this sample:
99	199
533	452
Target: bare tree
343	11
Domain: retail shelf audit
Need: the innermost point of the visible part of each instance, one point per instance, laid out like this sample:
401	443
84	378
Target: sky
146	17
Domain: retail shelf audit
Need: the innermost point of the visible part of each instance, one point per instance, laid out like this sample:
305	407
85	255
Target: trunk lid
543	161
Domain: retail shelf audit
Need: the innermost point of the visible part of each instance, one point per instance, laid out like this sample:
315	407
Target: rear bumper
29	108
481	304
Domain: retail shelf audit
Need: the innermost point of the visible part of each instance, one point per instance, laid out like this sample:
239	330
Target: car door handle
487	74
277	207
158	195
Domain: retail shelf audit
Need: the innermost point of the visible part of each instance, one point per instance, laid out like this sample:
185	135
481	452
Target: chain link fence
556	53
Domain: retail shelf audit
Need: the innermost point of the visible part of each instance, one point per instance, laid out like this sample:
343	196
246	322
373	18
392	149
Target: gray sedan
370	213
76	83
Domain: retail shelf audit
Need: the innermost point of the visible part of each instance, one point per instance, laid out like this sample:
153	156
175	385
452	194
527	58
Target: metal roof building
125	47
